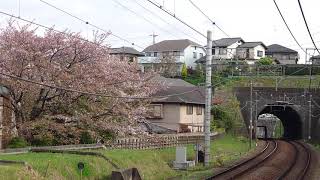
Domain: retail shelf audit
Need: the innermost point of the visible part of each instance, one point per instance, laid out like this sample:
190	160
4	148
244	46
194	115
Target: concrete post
310	114
208	100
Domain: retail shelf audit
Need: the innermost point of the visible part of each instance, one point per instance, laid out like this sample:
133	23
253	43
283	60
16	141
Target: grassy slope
152	164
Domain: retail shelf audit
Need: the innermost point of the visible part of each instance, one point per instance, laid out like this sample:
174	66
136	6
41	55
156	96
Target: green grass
152	164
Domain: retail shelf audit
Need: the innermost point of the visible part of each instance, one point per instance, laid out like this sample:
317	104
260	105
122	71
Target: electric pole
207	119
310	114
153	37
251	109
256	118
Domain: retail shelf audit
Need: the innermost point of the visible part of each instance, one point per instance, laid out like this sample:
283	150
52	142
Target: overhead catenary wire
214	23
165	21
307	26
285	22
142	17
174	16
90	24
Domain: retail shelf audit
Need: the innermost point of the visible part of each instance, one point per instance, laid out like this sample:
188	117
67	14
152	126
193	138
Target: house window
131	59
155	54
195	55
176	53
213	51
201	55
199	110
155	111
149	54
195	48
260	53
222	51
189	109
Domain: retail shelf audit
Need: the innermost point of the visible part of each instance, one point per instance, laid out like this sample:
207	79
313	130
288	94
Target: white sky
253	20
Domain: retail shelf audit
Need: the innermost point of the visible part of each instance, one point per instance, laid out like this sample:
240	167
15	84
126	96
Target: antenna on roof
154	37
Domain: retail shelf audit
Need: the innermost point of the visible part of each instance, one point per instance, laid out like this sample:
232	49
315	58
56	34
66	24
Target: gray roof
276	48
316	57
225	42
172	81
252	44
126	50
184	95
170	45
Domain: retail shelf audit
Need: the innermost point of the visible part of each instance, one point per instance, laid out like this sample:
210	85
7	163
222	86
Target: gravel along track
279	159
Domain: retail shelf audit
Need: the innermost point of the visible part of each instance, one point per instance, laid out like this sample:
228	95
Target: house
225	48
126	53
282	55
229	49
251	51
315	59
172	52
183	112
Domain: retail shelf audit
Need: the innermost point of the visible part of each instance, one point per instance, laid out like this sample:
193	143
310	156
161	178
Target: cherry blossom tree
66	60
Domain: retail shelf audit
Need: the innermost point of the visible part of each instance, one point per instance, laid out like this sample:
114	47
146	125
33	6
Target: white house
251	51
225	48
183	51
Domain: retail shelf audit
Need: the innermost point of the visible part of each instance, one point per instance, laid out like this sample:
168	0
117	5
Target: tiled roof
276	48
171	45
225	42
126	50
251	44
185	95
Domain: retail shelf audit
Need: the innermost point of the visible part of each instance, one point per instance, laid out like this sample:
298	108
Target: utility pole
250	125
208	100
310	114
256	118
153	37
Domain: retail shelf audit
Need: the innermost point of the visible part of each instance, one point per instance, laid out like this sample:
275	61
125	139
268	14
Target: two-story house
181	52
126	53
181	113
225	48
251	51
282	55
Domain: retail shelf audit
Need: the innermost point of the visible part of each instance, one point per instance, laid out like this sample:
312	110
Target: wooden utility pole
207	118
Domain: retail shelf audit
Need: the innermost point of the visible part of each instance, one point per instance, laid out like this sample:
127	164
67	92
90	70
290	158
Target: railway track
279	159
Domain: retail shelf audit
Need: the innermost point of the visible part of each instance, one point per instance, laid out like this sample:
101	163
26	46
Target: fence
159	142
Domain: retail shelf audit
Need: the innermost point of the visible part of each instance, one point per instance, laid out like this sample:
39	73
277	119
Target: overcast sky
253	20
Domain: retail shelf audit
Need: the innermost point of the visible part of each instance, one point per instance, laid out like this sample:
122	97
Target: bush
46	140
86	138
184	71
17	142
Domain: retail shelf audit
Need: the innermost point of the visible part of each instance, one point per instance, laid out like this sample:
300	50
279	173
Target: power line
90	93
144	18
197	7
288	26
305	21
174	16
164	20
87	22
55	30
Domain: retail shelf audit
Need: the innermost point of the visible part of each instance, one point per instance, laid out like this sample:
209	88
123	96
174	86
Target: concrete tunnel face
291	120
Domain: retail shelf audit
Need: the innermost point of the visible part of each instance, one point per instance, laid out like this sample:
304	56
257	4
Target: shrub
17	142
86	138
46	140
184	71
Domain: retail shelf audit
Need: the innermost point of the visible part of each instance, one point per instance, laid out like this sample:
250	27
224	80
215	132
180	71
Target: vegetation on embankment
152	164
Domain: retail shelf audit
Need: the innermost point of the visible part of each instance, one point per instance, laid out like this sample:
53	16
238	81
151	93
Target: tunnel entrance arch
289	117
